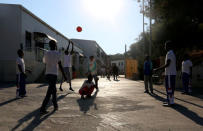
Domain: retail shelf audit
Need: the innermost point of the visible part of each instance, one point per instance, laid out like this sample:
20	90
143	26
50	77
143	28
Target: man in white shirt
186	73
68	66
170	72
52	61
92	69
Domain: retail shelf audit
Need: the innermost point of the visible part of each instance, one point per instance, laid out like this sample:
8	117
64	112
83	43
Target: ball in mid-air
79	29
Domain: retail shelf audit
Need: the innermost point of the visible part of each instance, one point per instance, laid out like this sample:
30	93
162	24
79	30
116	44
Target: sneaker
82	97
71	89
146	92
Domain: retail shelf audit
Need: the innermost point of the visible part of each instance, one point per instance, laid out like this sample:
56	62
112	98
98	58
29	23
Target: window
28	40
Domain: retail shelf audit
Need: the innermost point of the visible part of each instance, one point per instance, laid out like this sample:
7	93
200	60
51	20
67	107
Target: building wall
10	40
91	48
15	20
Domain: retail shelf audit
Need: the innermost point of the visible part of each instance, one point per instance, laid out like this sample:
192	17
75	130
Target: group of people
52	59
170	73
108	71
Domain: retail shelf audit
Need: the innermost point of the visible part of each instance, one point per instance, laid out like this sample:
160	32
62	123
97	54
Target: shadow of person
87	103
9	101
37	118
189	114
183	110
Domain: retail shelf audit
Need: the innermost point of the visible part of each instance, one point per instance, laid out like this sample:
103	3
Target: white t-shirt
186	66
171	69
67	60
20	61
51	59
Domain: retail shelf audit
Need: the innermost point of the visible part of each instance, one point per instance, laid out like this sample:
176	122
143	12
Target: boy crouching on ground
87	87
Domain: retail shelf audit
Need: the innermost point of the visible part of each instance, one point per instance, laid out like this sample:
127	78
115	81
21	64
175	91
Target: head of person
147	58
185	57
91	58
90	78
52	45
169	45
20	53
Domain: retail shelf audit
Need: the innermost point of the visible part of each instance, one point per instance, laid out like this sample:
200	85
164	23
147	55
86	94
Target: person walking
68	66
52	61
115	72
170	72
148	75
92	69
186	73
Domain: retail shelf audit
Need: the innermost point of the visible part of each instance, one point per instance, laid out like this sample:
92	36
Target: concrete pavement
117	106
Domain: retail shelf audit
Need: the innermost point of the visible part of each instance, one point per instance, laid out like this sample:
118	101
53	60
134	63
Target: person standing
20	75
115	72
68	66
148	75
186	73
170	72
92	69
52	61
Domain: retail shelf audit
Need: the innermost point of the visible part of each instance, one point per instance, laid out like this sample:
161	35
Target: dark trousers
185	80
51	79
20	82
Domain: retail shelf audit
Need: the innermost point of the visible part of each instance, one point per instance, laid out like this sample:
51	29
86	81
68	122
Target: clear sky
112	23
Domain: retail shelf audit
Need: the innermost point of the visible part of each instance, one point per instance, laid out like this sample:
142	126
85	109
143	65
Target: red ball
79	29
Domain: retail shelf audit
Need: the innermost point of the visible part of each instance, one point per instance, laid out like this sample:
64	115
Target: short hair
19	52
169	44
52	44
90	77
91	56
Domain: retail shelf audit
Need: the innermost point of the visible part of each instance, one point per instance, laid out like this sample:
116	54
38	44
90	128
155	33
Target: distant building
120	64
19	28
91	48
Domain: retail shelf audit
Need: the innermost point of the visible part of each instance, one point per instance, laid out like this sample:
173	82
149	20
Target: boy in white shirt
68	66
20	75
186	73
170	72
52	61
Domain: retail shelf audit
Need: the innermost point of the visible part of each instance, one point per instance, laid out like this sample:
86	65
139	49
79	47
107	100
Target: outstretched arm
164	66
68	46
72	48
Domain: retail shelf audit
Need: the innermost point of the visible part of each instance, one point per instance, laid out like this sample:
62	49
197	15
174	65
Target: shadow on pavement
183	110
85	104
9	101
37	119
182	100
42	85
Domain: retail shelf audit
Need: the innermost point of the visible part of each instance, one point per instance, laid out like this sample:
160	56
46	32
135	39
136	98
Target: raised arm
72	48
68	46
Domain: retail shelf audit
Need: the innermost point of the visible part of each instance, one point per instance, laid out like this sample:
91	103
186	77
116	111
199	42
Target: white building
19	28
91	48
120	64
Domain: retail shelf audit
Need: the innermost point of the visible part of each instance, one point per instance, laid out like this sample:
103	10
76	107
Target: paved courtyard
117	106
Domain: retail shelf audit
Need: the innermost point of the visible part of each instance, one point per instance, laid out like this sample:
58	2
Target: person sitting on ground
87	87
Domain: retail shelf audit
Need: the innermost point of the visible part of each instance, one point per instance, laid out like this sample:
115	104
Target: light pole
150	28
